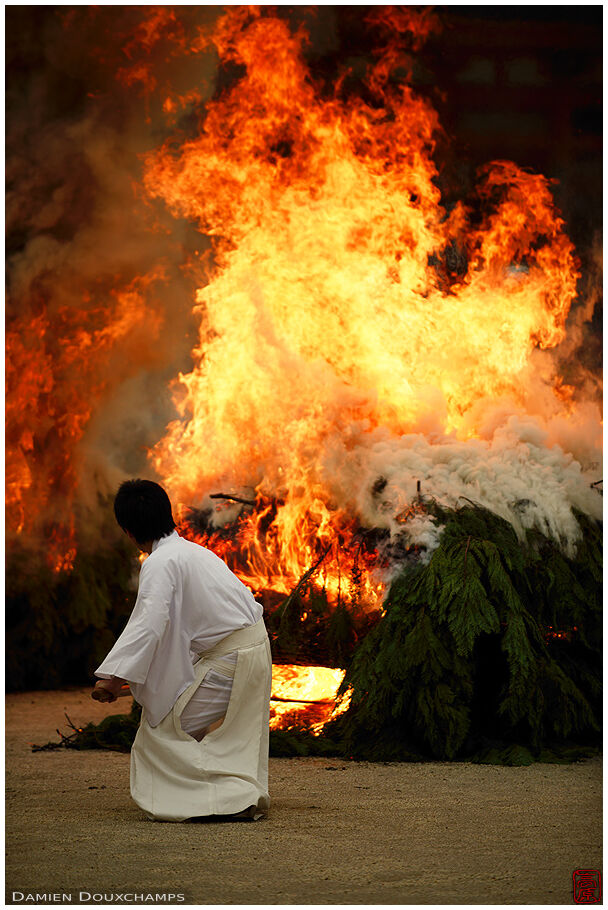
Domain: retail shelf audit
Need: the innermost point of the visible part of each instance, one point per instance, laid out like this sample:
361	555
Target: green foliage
410	691
467	649
299	742
115	732
509	755
497	753
307	625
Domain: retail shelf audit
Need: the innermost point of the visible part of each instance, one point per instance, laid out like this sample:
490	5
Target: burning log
303	701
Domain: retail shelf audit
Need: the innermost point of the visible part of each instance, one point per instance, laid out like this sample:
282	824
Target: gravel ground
338	832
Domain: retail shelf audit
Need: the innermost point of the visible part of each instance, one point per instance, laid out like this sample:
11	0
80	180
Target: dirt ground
338	832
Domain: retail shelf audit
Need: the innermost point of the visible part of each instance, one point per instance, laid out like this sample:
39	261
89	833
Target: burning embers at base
305	696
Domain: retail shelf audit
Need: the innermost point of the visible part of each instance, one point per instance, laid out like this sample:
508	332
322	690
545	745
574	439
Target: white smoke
515	474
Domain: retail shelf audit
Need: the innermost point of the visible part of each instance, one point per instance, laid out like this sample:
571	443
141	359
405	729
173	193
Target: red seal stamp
587	886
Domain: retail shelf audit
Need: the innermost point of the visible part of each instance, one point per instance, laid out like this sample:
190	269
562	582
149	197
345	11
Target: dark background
519	82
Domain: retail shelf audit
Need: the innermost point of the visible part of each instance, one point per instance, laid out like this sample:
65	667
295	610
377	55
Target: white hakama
175	777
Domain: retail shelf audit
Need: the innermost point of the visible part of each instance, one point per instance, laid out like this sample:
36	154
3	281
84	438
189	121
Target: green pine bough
489	652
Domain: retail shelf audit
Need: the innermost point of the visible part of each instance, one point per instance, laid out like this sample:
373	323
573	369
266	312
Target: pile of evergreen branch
490	652
115	732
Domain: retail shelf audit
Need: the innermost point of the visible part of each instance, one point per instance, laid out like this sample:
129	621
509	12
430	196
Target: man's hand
107	690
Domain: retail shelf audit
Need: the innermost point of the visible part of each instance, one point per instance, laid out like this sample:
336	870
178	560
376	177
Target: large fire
327	326
357	339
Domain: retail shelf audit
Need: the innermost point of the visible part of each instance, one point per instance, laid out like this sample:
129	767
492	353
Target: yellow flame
329	315
300	686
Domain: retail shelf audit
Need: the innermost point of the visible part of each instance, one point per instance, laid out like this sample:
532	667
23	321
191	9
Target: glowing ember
305	683
305	696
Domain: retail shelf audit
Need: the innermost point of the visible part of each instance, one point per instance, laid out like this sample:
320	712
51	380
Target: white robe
190	604
210	701
188	600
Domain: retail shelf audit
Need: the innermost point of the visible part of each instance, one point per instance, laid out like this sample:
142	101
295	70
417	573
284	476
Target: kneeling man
196	656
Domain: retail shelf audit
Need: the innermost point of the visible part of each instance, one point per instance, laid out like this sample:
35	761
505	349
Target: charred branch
307	575
64	741
303	701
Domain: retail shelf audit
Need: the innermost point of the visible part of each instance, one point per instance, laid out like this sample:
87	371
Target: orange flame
344	310
57	368
305	696
327	316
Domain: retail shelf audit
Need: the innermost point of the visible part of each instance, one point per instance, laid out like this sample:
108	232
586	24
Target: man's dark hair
143	508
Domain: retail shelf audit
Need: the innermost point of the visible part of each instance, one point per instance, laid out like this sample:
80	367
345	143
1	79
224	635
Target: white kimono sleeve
134	651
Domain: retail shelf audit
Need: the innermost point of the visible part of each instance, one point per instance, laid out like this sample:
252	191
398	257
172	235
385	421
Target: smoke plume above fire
235	278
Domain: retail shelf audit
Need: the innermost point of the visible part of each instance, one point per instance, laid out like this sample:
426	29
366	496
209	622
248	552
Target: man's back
188	600
209	600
